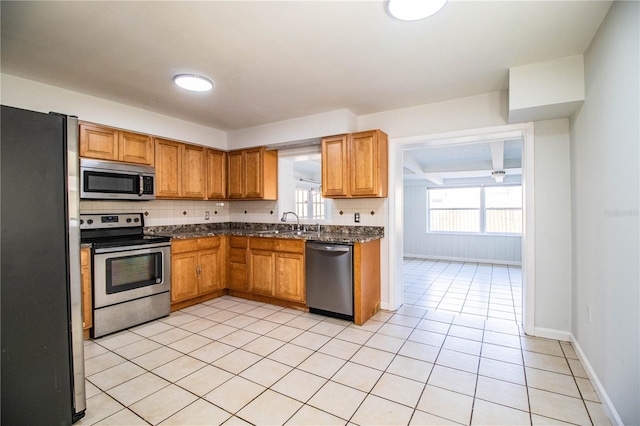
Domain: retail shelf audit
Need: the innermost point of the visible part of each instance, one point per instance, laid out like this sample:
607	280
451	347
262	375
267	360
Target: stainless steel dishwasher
329	271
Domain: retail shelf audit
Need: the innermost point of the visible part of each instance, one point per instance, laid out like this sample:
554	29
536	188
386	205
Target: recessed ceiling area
277	60
470	164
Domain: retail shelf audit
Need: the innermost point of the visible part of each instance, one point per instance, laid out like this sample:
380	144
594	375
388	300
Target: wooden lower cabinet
290	277
276	268
85	278
262	272
238	272
270	270
197	269
366	280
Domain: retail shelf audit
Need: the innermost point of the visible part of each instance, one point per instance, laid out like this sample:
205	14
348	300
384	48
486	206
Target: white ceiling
464	164
276	60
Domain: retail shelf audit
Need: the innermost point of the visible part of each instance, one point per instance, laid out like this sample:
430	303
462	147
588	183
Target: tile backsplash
373	211
164	212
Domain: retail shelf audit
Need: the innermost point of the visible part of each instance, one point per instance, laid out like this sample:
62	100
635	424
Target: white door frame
397	146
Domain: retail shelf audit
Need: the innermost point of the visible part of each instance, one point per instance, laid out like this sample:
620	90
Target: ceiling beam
410	163
497	155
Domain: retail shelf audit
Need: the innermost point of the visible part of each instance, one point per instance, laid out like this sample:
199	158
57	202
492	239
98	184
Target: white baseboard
550	333
464	259
609	409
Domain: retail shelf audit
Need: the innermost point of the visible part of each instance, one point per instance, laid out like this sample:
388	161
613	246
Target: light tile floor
233	361
472	289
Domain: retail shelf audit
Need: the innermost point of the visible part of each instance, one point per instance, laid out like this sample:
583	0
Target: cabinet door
168	168
184	276
136	148
363	158
216	174
335	166
262	274
236	181
85	278
253	173
98	142
368	163
210	263
290	283
193	171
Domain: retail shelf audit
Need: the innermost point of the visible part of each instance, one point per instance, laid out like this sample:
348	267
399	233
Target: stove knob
129	220
81	221
90	221
136	220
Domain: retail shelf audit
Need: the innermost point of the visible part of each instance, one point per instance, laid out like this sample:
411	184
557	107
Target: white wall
28	94
552	226
473	112
308	127
605	177
467	247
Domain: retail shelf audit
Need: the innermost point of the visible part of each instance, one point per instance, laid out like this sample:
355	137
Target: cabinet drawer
289	246
262	243
237	255
208	243
277	244
238	242
181	246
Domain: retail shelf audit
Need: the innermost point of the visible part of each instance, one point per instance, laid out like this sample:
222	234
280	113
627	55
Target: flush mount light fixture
193	82
414	10
498	175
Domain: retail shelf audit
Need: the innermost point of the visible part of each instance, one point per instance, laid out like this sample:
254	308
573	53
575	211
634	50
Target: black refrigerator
42	370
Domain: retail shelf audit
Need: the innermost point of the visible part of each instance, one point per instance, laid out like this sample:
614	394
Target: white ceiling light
193	82
413	10
498	175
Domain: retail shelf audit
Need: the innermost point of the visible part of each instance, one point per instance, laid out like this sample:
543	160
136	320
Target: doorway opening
472	267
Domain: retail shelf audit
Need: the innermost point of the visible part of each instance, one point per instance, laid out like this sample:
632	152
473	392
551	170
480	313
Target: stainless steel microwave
106	180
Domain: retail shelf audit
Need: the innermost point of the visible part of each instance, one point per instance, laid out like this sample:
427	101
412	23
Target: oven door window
111	183
129	272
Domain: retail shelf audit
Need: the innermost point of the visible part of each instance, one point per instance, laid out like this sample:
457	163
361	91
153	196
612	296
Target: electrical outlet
207	216
356	217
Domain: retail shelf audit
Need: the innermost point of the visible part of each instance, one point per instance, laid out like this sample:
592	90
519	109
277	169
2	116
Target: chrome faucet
284	219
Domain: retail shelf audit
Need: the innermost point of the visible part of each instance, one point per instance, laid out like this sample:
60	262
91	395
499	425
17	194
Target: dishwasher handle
328	247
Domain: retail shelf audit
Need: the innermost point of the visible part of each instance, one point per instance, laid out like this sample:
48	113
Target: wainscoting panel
467	247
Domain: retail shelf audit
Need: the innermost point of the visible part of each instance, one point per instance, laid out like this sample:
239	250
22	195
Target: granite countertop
326	233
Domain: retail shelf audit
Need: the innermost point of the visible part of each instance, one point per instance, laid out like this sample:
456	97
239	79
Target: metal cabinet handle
198	270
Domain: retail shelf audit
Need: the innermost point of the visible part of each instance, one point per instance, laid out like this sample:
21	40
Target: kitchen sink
299	233
286	232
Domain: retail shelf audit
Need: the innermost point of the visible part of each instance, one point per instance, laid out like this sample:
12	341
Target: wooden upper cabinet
216	174
98	142
355	165
253	174
107	143
136	148
335	167
236	181
168	169
180	170
368	164
193	171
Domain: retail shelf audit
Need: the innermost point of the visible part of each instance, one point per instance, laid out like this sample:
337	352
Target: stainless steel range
131	271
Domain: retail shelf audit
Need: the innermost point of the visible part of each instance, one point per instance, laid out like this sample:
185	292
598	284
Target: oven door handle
130	248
